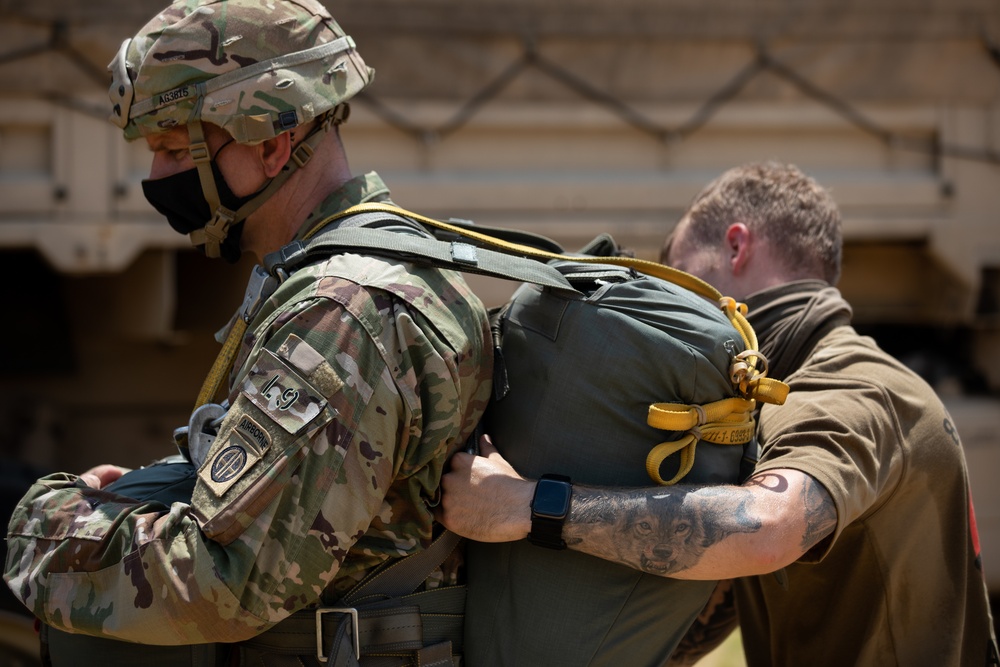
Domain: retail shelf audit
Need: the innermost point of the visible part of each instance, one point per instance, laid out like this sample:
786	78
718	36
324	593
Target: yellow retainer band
725	422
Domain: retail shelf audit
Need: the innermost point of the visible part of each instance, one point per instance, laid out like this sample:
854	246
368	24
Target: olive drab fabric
355	382
581	374
253	67
909	586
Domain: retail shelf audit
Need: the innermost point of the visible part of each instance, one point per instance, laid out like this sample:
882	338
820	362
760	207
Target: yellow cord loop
223	363
752	383
682	417
725	422
659	453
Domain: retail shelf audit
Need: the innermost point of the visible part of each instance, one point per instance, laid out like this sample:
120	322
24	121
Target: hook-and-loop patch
281	393
286	405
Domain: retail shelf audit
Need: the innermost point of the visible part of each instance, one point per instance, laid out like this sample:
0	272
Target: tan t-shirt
900	581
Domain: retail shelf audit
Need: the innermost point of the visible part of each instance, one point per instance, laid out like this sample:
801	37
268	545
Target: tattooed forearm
820	513
690	532
662	532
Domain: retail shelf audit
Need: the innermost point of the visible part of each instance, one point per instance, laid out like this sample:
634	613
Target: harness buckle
302	154
199	152
319	630
260	287
203	428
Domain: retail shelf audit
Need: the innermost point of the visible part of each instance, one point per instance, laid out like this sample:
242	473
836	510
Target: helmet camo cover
256	68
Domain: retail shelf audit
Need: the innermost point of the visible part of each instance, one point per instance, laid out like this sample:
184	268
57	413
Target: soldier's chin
657	566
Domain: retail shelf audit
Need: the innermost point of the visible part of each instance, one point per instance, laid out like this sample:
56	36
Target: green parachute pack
609	369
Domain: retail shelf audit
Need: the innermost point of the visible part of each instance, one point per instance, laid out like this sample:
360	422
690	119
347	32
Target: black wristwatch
549	509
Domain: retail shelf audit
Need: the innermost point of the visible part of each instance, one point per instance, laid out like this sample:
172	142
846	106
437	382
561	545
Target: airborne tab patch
251	430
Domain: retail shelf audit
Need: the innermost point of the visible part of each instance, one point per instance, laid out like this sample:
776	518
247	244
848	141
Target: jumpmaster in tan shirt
900	581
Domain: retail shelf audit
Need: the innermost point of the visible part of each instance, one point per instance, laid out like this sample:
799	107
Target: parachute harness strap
223	363
668	273
750	381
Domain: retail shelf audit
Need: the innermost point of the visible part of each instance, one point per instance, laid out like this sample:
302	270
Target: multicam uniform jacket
354	384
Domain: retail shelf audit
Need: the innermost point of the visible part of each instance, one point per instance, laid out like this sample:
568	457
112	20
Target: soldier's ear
274	153
738	247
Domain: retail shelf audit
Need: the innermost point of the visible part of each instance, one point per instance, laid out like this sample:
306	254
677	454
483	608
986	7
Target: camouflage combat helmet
256	68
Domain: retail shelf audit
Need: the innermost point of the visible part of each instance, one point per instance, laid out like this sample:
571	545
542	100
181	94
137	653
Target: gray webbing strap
382	219
517	236
457	255
306	633
406	574
393	628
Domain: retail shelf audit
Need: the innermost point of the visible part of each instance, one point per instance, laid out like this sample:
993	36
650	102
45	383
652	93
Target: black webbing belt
379	623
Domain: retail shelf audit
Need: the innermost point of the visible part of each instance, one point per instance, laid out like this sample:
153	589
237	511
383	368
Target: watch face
551	498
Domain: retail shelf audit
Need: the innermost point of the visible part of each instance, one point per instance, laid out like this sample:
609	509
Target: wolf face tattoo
658	532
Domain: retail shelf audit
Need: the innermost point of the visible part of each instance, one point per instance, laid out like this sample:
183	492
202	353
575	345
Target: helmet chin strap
214	233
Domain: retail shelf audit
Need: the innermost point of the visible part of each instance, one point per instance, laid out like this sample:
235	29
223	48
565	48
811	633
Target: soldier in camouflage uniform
353	383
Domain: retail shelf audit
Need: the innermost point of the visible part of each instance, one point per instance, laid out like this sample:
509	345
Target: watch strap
546	530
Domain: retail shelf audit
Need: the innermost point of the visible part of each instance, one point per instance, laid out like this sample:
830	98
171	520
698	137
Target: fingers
486	447
460	462
91	480
100	476
483	497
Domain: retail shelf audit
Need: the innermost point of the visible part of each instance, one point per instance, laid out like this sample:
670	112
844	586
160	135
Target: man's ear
274	153
738	246
665	250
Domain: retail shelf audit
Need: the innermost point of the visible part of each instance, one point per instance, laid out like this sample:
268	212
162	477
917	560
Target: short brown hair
779	202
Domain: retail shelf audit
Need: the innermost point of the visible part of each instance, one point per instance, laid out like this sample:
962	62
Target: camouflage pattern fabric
253	67
354	384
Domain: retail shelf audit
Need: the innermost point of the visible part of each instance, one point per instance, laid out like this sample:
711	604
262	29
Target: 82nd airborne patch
283	405
229	464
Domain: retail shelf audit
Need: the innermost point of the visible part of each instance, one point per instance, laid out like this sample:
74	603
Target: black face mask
179	198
